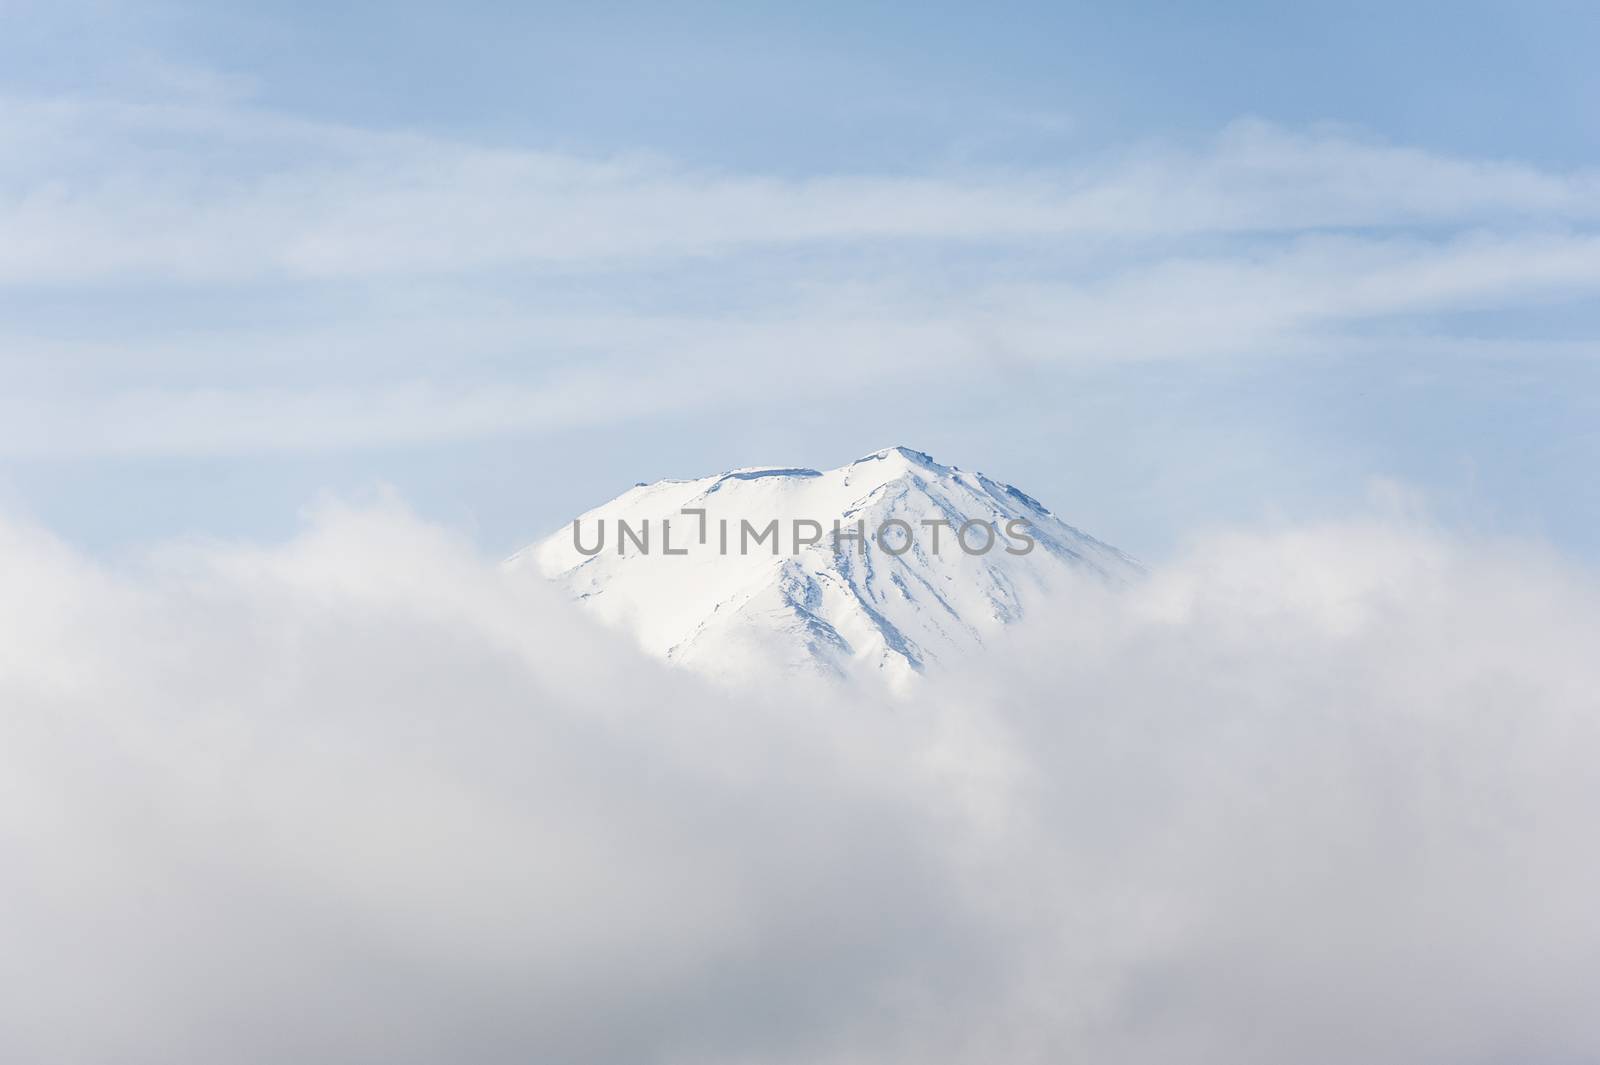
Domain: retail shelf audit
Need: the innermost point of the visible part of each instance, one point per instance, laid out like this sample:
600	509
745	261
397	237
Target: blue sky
1165	267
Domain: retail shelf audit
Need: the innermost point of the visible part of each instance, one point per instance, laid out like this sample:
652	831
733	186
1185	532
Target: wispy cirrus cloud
203	194
457	368
459	290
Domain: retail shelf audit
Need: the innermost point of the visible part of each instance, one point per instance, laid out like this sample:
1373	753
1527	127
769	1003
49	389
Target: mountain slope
748	599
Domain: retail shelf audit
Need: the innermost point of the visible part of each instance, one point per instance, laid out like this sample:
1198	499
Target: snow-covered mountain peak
882	567
901	457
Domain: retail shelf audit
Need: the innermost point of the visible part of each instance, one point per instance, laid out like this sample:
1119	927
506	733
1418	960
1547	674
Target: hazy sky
285	778
1165	267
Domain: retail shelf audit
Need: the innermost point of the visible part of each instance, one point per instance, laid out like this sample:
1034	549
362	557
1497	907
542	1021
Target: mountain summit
879	567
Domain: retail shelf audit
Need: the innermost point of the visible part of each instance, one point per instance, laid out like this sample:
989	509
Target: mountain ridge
670	562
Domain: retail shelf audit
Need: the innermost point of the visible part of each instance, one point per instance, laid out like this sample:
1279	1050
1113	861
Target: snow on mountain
751	580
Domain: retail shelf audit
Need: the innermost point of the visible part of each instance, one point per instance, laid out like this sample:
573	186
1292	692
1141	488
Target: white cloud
399	288
1315	794
463	368
226	194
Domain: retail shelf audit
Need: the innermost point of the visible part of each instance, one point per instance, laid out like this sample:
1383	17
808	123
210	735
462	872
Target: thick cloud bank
1317	795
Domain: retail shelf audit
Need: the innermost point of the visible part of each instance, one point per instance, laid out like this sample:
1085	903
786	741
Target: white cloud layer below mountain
1314	794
